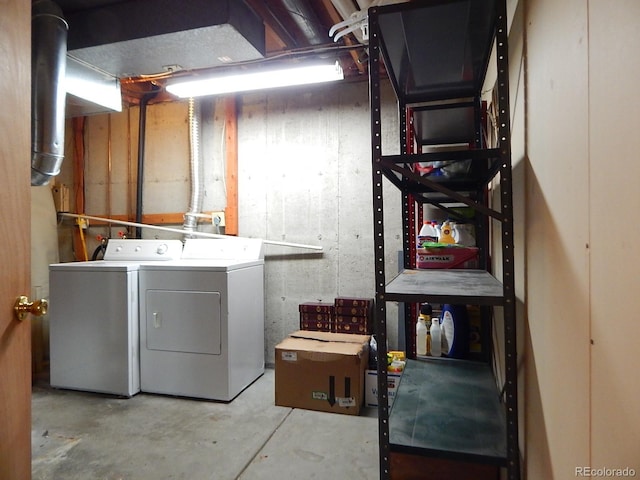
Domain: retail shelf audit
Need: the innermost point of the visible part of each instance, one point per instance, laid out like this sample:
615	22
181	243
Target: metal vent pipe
48	64
303	15
197	180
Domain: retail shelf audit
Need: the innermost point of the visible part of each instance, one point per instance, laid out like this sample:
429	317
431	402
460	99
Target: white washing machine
93	313
202	320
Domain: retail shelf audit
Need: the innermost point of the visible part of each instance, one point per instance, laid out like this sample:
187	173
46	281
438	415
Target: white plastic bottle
421	337
436	338
465	235
427	233
425	317
454	232
424	231
433	233
438	228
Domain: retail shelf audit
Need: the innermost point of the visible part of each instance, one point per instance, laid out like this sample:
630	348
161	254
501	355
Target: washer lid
223	248
219	265
95	266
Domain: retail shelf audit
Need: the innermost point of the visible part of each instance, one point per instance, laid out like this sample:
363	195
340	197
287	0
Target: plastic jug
455	331
427	233
446	234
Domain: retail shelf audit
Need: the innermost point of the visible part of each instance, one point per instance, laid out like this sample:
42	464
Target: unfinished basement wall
581	202
304	176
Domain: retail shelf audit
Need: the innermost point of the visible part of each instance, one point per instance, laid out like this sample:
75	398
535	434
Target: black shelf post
508	279
379	254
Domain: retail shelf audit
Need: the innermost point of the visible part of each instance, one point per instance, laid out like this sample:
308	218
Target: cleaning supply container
455	331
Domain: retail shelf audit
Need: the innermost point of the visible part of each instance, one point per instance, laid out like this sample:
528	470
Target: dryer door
183	321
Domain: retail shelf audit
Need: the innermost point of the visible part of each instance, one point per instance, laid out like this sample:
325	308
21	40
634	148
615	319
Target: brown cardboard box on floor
321	371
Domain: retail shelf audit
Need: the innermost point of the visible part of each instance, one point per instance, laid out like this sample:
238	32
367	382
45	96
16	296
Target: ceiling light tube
243	82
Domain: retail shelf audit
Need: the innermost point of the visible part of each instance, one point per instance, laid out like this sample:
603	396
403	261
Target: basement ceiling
141	42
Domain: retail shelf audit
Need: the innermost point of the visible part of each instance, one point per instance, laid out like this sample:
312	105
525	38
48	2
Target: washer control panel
143	250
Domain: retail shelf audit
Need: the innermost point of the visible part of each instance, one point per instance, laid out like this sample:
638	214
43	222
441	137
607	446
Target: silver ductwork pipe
197	180
306	19
48	63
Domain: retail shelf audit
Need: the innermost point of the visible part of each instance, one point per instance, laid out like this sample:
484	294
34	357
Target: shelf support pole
508	279
378	241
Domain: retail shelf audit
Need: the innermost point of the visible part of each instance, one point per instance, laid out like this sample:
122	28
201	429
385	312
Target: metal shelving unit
436	54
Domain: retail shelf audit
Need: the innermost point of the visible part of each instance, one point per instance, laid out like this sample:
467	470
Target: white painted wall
581	202
614	172
305	177
557	232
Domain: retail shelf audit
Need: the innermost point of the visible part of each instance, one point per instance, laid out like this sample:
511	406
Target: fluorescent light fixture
242	82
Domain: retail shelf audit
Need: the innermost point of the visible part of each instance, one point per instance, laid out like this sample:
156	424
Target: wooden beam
79	250
231	147
273	41
149	218
277	34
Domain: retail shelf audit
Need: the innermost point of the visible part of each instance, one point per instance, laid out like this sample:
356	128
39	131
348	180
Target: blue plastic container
455	330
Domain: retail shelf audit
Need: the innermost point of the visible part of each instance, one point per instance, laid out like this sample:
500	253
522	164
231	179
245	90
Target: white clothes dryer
93	314
202	320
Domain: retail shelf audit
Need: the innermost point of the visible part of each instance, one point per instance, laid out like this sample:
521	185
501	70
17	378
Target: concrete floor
85	436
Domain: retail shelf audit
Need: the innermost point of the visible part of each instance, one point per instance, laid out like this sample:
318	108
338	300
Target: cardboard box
371	387
321	371
354	315
316	307
316	321
316	316
354	306
354	311
353	324
447	257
